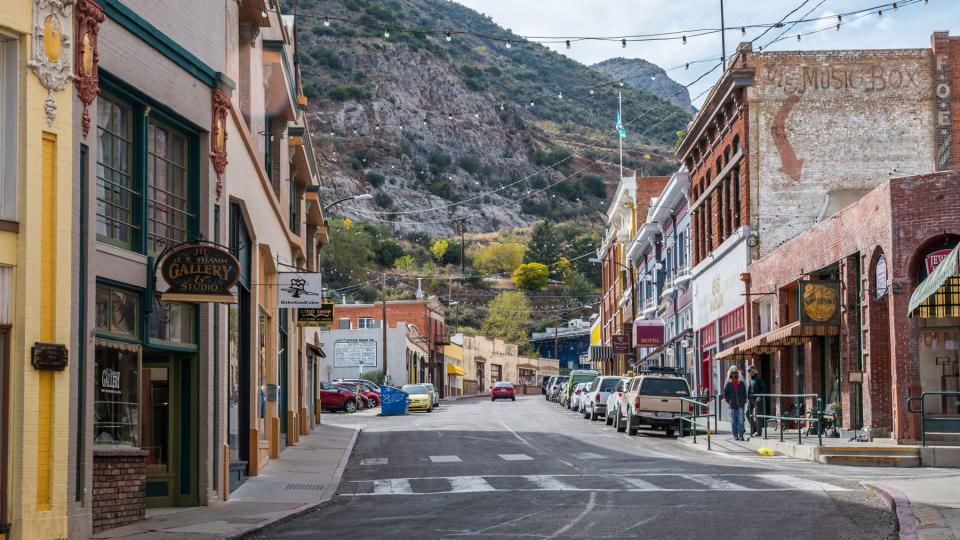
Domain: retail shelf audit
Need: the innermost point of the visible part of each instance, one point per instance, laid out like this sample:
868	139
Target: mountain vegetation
421	121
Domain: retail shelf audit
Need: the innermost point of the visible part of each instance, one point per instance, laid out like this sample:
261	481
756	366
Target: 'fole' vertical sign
942	93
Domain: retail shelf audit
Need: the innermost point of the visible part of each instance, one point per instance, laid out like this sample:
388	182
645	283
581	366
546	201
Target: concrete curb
327	495
900	506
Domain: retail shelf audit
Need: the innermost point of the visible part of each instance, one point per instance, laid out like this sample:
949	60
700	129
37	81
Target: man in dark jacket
755	404
735	394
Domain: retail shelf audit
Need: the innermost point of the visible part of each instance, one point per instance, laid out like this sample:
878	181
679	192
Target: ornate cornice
86	79
51	49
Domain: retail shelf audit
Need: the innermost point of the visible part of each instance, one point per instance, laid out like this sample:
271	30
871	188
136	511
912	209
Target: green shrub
375	179
347	92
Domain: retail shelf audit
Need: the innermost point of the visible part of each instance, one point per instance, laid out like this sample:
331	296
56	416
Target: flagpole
619	137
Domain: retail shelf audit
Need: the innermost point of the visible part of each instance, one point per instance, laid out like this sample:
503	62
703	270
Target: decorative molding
218	136
51	49
87	79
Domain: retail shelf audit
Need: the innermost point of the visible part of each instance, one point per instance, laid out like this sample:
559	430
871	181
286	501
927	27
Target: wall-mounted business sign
880	278
819	303
199	273
299	290
49	356
321	317
620	344
648	333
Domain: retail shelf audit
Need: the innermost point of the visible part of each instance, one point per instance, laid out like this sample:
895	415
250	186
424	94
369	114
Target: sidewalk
305	476
926	508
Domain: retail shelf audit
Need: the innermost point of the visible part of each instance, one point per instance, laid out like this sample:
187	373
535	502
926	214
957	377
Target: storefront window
262	381
174	322
117	311
233	368
940	366
116	419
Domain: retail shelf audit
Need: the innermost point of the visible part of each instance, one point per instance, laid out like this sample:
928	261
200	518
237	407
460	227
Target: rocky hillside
421	121
648	77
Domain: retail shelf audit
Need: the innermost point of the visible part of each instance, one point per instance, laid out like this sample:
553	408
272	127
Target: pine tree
544	246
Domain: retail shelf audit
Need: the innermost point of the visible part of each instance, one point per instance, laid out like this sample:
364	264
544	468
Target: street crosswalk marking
714	482
469	484
445	459
588	455
393	486
515	457
374	461
799	484
570	482
548	483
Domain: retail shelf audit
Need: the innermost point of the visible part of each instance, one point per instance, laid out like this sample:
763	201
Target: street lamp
361	197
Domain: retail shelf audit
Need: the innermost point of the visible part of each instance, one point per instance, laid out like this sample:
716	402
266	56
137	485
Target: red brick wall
896	219
648	187
944	45
119	478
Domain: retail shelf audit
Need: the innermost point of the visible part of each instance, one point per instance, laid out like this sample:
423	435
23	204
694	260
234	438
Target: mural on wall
52	27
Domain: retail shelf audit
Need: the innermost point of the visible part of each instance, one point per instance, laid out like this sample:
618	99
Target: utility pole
383	299
723	39
556	338
463	223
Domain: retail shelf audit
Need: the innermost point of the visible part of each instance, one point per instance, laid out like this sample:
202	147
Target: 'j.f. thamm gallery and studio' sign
199	272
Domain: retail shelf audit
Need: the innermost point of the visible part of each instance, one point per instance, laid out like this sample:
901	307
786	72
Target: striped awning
601	352
939	294
770	342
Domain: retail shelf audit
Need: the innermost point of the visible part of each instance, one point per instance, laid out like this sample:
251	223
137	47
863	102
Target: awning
939	294
601	352
770	342
453	369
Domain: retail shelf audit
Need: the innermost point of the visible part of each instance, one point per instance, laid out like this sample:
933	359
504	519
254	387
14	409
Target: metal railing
693	418
798	417
944	424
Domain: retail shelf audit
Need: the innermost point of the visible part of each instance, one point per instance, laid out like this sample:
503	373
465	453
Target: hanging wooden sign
199	273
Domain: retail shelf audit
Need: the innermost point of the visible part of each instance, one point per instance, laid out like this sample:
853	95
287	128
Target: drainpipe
747	306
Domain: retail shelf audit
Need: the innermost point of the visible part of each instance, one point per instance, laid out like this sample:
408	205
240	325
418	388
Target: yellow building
453	360
36	156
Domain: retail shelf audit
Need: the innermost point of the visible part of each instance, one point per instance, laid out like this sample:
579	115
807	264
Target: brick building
787	139
487	361
426	315
867	259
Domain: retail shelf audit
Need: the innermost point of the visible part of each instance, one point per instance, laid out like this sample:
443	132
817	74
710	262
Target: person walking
735	394
755	387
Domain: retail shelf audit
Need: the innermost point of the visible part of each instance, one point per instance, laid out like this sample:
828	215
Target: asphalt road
531	469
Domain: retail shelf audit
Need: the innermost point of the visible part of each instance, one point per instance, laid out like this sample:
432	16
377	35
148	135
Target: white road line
445	459
591	504
588	455
799	484
549	483
469	484
714	482
393	486
515	457
521	439
374	461
640	484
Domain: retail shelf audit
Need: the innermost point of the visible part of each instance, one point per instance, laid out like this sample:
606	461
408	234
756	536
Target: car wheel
608	419
593	415
350	406
513	399
430	408
493	399
631	428
621	427
670	432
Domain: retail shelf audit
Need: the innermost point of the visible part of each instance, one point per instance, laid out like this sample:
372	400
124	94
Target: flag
620	129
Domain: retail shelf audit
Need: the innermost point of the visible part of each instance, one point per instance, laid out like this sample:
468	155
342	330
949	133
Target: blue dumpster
393	402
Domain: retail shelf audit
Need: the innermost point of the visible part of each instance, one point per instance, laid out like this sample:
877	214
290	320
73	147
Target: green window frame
118	312
173	325
148	170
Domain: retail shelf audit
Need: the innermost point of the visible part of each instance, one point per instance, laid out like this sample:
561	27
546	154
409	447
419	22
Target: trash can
393	402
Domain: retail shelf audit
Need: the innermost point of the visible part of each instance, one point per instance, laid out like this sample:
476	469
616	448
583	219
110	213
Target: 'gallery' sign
199	273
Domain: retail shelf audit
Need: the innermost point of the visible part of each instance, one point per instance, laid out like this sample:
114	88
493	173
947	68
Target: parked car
613	400
653	398
335	398
548	386
575	393
553	390
543	383
594	403
419	397
502	390
434	394
576	376
372	398
370	385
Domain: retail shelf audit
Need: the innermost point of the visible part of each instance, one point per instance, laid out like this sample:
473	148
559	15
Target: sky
909	26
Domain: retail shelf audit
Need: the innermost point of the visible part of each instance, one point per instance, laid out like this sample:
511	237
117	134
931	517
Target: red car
373	398
502	390
335	398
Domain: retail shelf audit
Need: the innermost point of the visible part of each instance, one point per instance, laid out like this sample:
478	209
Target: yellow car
419	397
